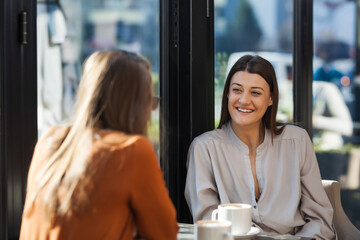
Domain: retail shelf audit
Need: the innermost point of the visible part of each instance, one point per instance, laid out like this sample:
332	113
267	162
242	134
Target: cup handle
214	215
228	236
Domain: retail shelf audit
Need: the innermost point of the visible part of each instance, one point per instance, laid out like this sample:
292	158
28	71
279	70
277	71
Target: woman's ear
270	101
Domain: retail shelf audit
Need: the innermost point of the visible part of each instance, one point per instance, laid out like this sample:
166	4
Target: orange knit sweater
129	195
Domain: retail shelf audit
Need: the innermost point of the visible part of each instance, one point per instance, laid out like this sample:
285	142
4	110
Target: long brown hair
114	93
258	65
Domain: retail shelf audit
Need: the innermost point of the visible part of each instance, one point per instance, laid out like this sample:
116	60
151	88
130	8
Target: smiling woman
248	99
254	70
253	159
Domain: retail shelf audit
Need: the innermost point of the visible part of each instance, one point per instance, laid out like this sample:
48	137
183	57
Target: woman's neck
251	136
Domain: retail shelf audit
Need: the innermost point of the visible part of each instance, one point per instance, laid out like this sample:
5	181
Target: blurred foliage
217	121
153	131
345	149
156	81
221	61
356	196
154	125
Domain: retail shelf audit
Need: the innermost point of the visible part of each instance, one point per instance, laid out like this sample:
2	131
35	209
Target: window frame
18	118
186	89
302	63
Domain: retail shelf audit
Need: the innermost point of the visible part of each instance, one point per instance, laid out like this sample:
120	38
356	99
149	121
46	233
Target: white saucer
252	233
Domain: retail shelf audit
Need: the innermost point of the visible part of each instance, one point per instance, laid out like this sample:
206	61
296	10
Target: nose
244	98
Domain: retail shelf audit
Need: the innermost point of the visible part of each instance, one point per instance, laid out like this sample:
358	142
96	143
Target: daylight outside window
70	30
265	28
254	27
335	121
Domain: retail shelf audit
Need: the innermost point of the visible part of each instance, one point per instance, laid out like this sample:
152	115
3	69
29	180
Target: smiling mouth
245	110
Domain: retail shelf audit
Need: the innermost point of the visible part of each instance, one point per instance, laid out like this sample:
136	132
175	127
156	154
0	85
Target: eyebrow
238	84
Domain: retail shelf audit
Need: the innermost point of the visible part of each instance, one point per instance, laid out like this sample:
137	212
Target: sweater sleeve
155	215
201	192
315	205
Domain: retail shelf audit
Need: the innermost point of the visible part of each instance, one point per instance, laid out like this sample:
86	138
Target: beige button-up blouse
292	197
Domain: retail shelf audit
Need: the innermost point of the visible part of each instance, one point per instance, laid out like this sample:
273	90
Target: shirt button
255	206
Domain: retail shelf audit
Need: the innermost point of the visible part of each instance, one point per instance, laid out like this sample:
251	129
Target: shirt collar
243	147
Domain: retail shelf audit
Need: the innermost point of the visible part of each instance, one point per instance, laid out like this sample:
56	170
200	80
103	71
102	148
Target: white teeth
244	110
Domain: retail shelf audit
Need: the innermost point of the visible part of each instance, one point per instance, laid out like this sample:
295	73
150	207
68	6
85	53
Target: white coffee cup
213	230
237	213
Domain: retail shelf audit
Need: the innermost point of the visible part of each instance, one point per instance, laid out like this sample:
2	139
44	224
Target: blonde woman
99	177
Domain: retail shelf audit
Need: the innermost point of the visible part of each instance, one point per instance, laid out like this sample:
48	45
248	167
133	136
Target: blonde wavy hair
115	93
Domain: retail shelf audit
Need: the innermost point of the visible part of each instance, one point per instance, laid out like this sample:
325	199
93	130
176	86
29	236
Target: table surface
186	232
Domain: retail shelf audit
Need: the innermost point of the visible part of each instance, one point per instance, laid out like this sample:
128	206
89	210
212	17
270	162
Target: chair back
344	228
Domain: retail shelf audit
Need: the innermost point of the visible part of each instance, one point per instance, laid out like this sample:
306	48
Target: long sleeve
200	190
127	193
154	212
315	206
292	199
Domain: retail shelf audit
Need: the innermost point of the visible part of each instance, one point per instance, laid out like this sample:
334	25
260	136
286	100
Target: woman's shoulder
218	134
52	138
57	131
47	144
121	140
123	147
292	131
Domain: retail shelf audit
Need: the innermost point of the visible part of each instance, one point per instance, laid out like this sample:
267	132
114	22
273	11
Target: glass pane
336	131
255	27
70	31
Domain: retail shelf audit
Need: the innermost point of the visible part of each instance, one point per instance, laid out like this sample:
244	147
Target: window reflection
336	129
265	28
254	27
70	30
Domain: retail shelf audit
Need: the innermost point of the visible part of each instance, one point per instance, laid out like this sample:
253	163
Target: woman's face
248	98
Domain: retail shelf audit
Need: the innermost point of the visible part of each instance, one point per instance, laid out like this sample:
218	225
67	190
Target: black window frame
18	106
187	87
302	62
